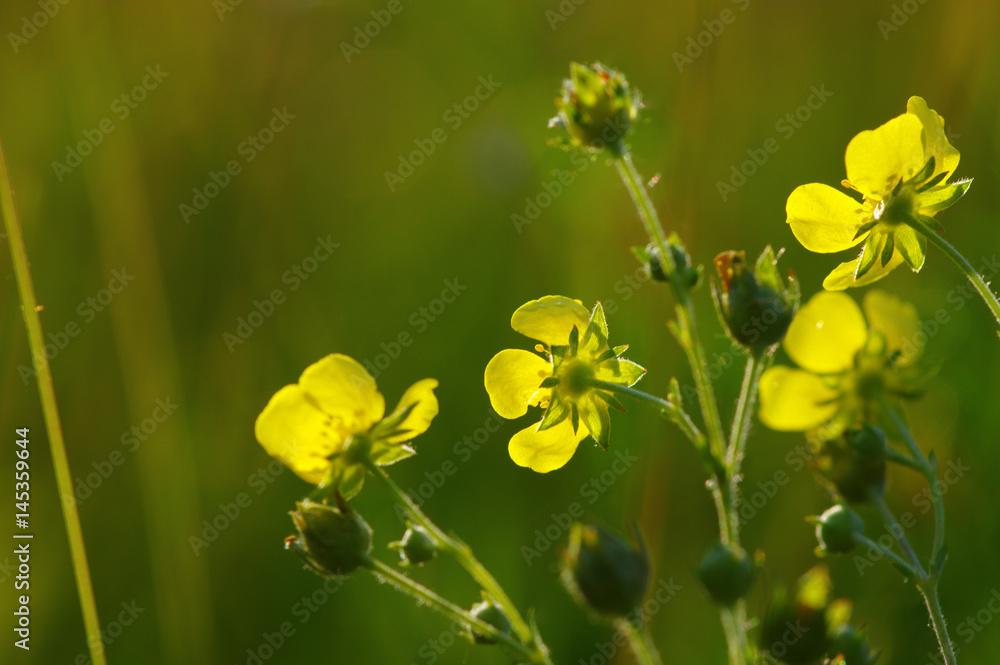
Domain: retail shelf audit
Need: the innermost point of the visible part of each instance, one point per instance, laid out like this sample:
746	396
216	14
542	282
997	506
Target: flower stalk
47	395
463	554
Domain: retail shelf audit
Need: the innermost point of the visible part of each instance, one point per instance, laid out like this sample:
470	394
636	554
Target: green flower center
870	386
575	378
898	206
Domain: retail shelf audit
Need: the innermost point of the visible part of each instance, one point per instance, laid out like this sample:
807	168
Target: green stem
930	594
904	460
897	530
736	635
687	323
924	466
422	594
673	411
744	410
463	554
889	554
47	394
686	331
963	264
641	643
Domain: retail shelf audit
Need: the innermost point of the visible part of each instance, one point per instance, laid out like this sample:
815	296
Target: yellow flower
901	171
563	378
848	367
313	425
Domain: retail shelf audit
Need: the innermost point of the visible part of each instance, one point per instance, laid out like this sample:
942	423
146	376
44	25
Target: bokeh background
226	68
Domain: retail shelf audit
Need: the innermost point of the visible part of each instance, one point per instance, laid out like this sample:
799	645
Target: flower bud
855	463
836	528
850	645
491	613
332	540
754	305
794	630
605	572
726	573
649	256
597	108
416	547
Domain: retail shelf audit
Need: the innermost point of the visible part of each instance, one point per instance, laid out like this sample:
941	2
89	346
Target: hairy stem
422	594
642	646
47	394
463	554
686	331
963	264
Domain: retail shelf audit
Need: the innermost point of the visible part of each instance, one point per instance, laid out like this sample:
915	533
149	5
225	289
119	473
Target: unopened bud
332	540
489	612
726	573
604	571
417	546
836	529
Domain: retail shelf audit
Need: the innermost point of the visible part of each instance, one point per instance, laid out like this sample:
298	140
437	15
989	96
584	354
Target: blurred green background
223	70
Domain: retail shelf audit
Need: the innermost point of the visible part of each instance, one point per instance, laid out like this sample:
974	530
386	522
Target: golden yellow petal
292	430
547	450
343	388
877	159
550	319
794	401
826	333
512	380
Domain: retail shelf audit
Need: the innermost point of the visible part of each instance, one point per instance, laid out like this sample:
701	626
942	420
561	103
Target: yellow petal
877	159
898	322
343	388
550	319
794	401
512	380
826	333
842	277
824	219
547	450
936	143
419	419
292	430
